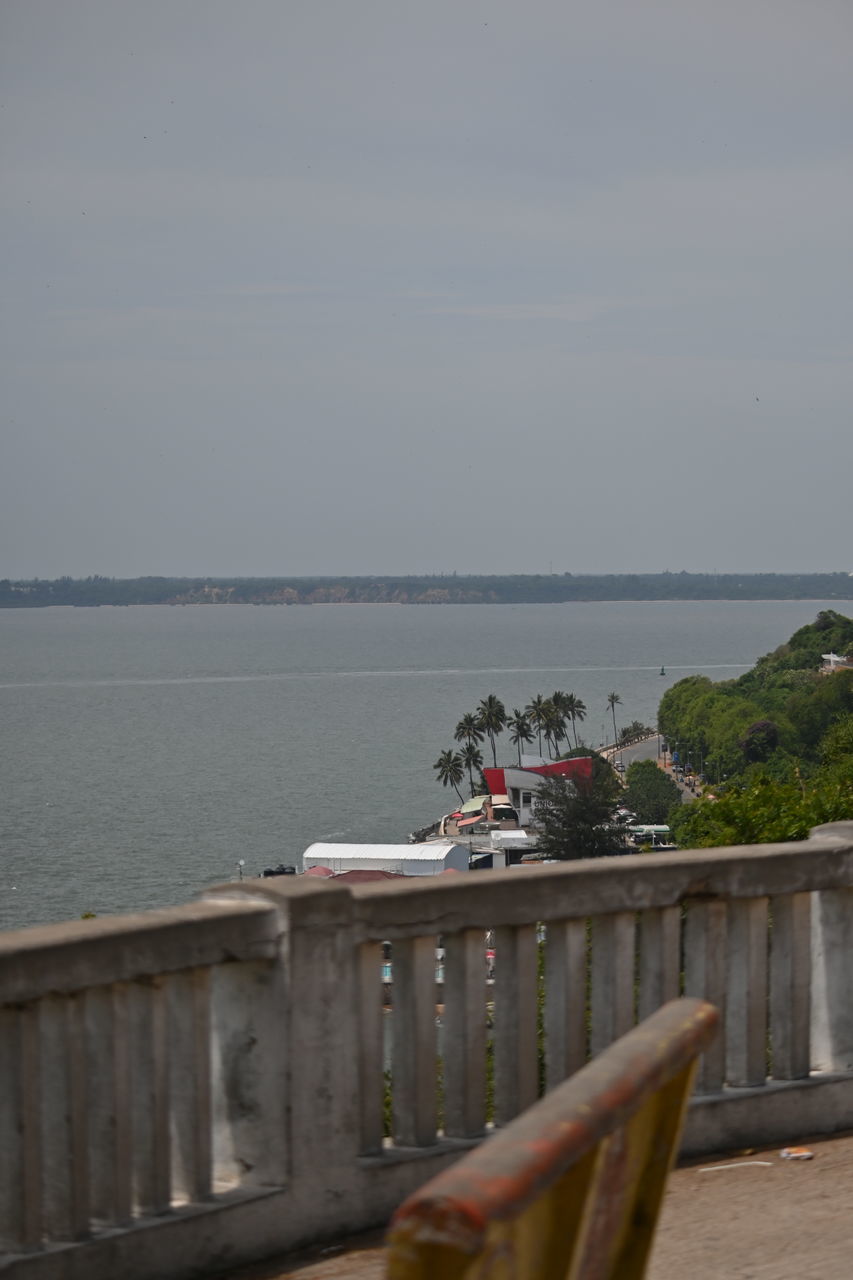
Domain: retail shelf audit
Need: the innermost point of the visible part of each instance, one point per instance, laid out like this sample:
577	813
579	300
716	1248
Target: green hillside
775	745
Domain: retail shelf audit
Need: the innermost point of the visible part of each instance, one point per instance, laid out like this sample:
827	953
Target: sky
376	287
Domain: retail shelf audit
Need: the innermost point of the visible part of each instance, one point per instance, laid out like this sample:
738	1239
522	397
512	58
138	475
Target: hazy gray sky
354	286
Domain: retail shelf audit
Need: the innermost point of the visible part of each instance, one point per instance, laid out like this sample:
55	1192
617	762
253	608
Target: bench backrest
573	1186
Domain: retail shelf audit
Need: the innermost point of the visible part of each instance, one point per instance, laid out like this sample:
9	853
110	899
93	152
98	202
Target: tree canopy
762	806
576	819
649	792
774	715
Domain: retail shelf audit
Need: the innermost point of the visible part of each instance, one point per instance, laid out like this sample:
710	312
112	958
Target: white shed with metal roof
405	859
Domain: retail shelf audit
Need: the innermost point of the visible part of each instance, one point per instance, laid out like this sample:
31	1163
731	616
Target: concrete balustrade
214	1083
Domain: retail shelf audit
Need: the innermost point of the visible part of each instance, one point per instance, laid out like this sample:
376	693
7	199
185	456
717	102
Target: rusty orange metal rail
571	1189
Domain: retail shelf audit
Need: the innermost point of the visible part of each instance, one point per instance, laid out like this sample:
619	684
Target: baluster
831	966
465	1034
65	1170
705	976
20	1130
414	1047
516	1050
150	1097
189	1083
746	998
252	1080
371	1057
660	959
565	999
612	978
790	986
109	1104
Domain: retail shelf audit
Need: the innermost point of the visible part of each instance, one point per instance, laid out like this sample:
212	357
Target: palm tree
554	725
469	729
450	770
535	714
563	703
613	701
519	730
491	713
577	712
472	758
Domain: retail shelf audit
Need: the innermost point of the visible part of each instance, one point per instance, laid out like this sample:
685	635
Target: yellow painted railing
572	1187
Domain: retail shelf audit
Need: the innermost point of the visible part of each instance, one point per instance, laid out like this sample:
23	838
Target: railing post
414	1053
746	1000
612	978
832	964
21	1130
322	1081
516	1081
705	977
790	986
565	999
464	1034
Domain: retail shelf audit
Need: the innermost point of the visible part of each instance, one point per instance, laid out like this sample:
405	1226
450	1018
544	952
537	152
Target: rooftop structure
403	859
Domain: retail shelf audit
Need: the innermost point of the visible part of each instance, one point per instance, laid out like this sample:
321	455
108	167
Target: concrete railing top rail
59	959
243	921
564	891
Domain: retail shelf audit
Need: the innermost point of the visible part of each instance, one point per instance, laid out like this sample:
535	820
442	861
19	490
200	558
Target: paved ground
782	1220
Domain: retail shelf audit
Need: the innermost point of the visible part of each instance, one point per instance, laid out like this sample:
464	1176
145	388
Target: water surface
145	750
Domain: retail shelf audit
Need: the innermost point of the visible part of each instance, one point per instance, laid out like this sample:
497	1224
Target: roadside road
649	749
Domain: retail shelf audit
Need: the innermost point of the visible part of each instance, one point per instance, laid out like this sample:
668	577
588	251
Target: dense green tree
576	819
519	730
774	715
491	714
649	792
765	811
760	740
450	770
837	742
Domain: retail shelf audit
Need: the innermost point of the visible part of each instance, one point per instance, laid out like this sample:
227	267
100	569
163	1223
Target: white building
403	859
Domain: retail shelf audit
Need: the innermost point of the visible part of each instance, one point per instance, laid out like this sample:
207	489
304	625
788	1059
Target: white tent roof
409	859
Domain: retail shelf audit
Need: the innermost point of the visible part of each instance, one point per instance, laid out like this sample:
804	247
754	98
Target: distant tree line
429	589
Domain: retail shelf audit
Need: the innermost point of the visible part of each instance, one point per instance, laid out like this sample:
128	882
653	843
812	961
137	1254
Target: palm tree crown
578	712
472	758
519	730
450	770
469	729
563	703
491	713
535	712
553	725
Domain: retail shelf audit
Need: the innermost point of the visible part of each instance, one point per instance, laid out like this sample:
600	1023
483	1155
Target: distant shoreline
447	589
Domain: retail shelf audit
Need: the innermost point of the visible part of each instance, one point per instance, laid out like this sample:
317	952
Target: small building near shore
518	785
401	859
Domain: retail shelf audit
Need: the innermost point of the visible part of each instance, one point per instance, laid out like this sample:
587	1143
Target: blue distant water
145	750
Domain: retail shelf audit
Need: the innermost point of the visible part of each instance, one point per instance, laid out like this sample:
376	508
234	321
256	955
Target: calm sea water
145	750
